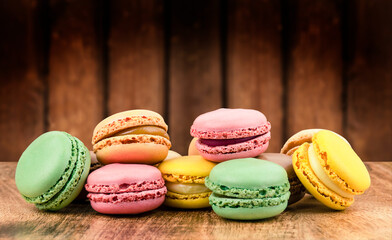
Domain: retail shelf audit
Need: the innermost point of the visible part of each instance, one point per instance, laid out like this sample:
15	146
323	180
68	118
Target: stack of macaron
128	143
133	169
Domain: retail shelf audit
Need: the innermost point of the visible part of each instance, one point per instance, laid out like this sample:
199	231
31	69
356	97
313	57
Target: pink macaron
125	188
226	134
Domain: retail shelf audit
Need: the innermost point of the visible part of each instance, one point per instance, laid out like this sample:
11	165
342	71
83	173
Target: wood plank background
65	65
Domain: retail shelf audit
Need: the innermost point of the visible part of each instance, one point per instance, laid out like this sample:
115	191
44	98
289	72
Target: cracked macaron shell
340	162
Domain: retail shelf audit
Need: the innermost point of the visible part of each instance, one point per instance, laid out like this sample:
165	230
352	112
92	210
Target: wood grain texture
254	61
369	217
195	83
136	56
314	66
22	73
369	94
75	78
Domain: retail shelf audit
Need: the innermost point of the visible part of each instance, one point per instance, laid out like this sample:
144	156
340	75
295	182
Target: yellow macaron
330	170
184	177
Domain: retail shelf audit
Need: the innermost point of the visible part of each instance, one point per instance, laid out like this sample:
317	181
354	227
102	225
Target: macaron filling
231	202
127	197
186	188
150	130
322	176
225	142
242	146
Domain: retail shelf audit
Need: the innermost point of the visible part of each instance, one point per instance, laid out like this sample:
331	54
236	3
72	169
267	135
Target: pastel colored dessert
52	170
192	150
330	170
298	139
248	189
125	188
172	154
184	178
135	136
297	190
226	134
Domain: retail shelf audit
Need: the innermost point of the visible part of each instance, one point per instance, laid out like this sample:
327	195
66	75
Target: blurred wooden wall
65	65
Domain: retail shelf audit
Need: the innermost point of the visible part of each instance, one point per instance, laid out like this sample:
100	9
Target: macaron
330	170
299	138
192	150
125	188
184	179
297	190
248	189
52	170
226	134
135	136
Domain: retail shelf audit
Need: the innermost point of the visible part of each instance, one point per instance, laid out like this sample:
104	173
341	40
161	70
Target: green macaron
52	170
248	189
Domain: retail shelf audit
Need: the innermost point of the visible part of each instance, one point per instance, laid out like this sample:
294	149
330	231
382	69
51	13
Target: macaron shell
127	119
310	181
249	173
242	150
147	153
340	162
128	207
249	213
197	201
44	163
225	119
119	174
187	166
61	203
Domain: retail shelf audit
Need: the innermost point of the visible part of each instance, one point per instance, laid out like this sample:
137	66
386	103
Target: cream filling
186	188
320	173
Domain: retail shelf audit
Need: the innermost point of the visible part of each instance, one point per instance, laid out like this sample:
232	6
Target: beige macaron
135	136
295	141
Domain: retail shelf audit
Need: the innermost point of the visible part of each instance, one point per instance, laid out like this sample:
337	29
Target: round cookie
52	170
135	136
330	170
125	188
248	189
185	178
226	134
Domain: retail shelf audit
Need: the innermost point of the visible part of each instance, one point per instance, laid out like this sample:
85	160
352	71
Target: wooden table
370	217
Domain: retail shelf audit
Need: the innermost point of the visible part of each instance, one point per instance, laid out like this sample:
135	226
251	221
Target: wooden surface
67	64
254	61
75	83
195	81
314	85
136	56
22	75
370	217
